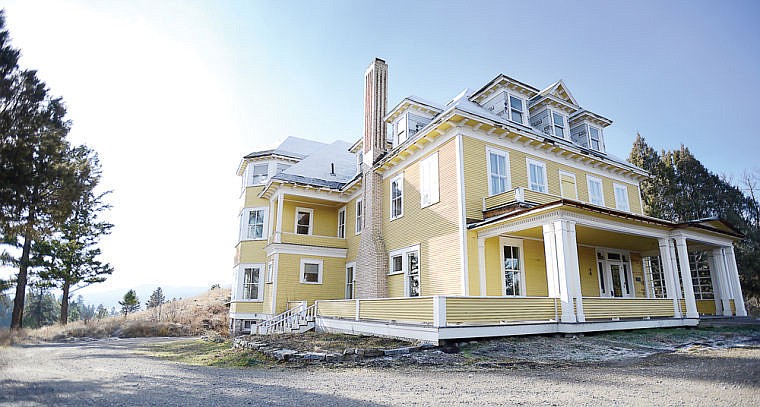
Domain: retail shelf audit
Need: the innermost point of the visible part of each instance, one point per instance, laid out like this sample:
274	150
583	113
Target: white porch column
278	231
674	266
720	283
688	287
568	271
550	252
670	275
482	265
733	274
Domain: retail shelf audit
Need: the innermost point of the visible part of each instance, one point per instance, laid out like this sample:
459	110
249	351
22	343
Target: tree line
50	210
681	189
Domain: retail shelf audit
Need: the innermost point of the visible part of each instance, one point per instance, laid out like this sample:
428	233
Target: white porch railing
299	319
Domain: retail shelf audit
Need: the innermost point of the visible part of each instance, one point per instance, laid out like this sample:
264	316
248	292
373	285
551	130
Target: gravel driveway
109	372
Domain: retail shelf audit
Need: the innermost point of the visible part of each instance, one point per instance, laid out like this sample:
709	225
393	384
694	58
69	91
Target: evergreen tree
101	312
36	187
69	258
155	302
41	308
130	303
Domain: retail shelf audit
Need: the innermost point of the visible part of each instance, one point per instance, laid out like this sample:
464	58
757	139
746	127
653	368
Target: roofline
494	80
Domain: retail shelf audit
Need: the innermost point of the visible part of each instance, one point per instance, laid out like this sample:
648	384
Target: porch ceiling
603	238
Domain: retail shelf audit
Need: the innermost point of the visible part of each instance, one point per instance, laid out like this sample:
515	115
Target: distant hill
111	298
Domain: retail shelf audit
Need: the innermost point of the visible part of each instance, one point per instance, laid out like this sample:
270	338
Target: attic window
516	109
260	174
559	125
596	138
282	167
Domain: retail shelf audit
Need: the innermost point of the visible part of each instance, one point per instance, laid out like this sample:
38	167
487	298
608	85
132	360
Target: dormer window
588	136
407	126
282	167
260	174
559	124
516	109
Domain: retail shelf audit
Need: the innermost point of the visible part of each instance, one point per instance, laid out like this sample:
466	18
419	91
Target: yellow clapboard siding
589	271
399	309
325	222
495	310
476	177
247	307
337	309
435	228
312	240
290	288
534	261
250	251
608	308
704	307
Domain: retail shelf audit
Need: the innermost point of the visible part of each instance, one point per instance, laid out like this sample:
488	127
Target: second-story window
397	197
537	176
559	124
342	223
251	289
304	221
595	192
621	197
260	174
515	109
359	216
498	172
253	224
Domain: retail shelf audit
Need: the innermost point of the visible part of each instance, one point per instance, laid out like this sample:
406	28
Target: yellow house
498	213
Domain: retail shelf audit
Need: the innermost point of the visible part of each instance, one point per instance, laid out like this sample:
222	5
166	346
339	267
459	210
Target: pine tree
101	312
69	258
130	303
36	188
155	302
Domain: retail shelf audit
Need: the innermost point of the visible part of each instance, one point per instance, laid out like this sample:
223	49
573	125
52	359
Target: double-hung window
342	223
537	176
304	221
595	192
260	174
407	261
515	109
359	216
429	193
498	171
621	197
311	271
397	197
253	222
513	268
596	138
251	282
350	279
559	124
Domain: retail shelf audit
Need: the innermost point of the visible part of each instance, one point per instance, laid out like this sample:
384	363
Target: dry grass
190	316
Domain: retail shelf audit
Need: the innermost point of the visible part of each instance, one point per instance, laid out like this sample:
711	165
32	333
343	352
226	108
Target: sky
172	94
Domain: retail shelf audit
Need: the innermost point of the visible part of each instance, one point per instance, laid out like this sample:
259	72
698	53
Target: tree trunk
65	303
18	302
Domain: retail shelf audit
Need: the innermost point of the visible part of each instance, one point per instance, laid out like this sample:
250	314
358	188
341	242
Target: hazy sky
172	94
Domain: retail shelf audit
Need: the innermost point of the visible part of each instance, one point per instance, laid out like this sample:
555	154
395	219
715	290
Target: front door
616	280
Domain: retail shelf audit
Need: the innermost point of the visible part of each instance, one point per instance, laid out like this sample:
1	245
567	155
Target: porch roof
713	225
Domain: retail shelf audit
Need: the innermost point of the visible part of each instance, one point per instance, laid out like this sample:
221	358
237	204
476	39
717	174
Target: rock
369	353
397	351
315	356
333	357
283	354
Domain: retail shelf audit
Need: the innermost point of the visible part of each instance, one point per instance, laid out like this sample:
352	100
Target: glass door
617	274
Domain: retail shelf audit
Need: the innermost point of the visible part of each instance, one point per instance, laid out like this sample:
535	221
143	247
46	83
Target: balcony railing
308	240
517	195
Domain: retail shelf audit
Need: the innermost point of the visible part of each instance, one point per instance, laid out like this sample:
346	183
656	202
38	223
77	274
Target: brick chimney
372	258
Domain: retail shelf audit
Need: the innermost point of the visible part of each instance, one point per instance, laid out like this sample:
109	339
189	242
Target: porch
436	318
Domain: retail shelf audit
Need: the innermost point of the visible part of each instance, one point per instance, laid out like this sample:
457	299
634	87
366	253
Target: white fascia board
286	248
405	162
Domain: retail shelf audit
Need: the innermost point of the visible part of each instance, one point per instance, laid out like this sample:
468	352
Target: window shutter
433	179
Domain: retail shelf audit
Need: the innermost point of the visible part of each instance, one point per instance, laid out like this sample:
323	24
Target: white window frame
399	179
252	166
625	205
245	215
508	175
565	129
359	216
311	221
506	241
404	253
605	263
241	282
509	108
562	188
528	162
351	265
601	138
304	262
589	180
429	181
342	226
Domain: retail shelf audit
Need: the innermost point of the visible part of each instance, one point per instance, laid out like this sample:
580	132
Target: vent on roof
332	169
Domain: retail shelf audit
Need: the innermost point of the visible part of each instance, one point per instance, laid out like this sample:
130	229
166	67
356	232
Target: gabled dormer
587	130
410	116
506	97
551	108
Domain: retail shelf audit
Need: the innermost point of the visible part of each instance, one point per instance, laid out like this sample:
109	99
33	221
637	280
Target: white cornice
285	248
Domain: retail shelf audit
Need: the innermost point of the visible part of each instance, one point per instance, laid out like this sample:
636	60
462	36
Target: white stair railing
287	320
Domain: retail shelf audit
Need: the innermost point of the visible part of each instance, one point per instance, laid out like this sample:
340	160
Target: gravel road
110	372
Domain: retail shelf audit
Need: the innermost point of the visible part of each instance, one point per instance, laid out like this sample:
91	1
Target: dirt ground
114	372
